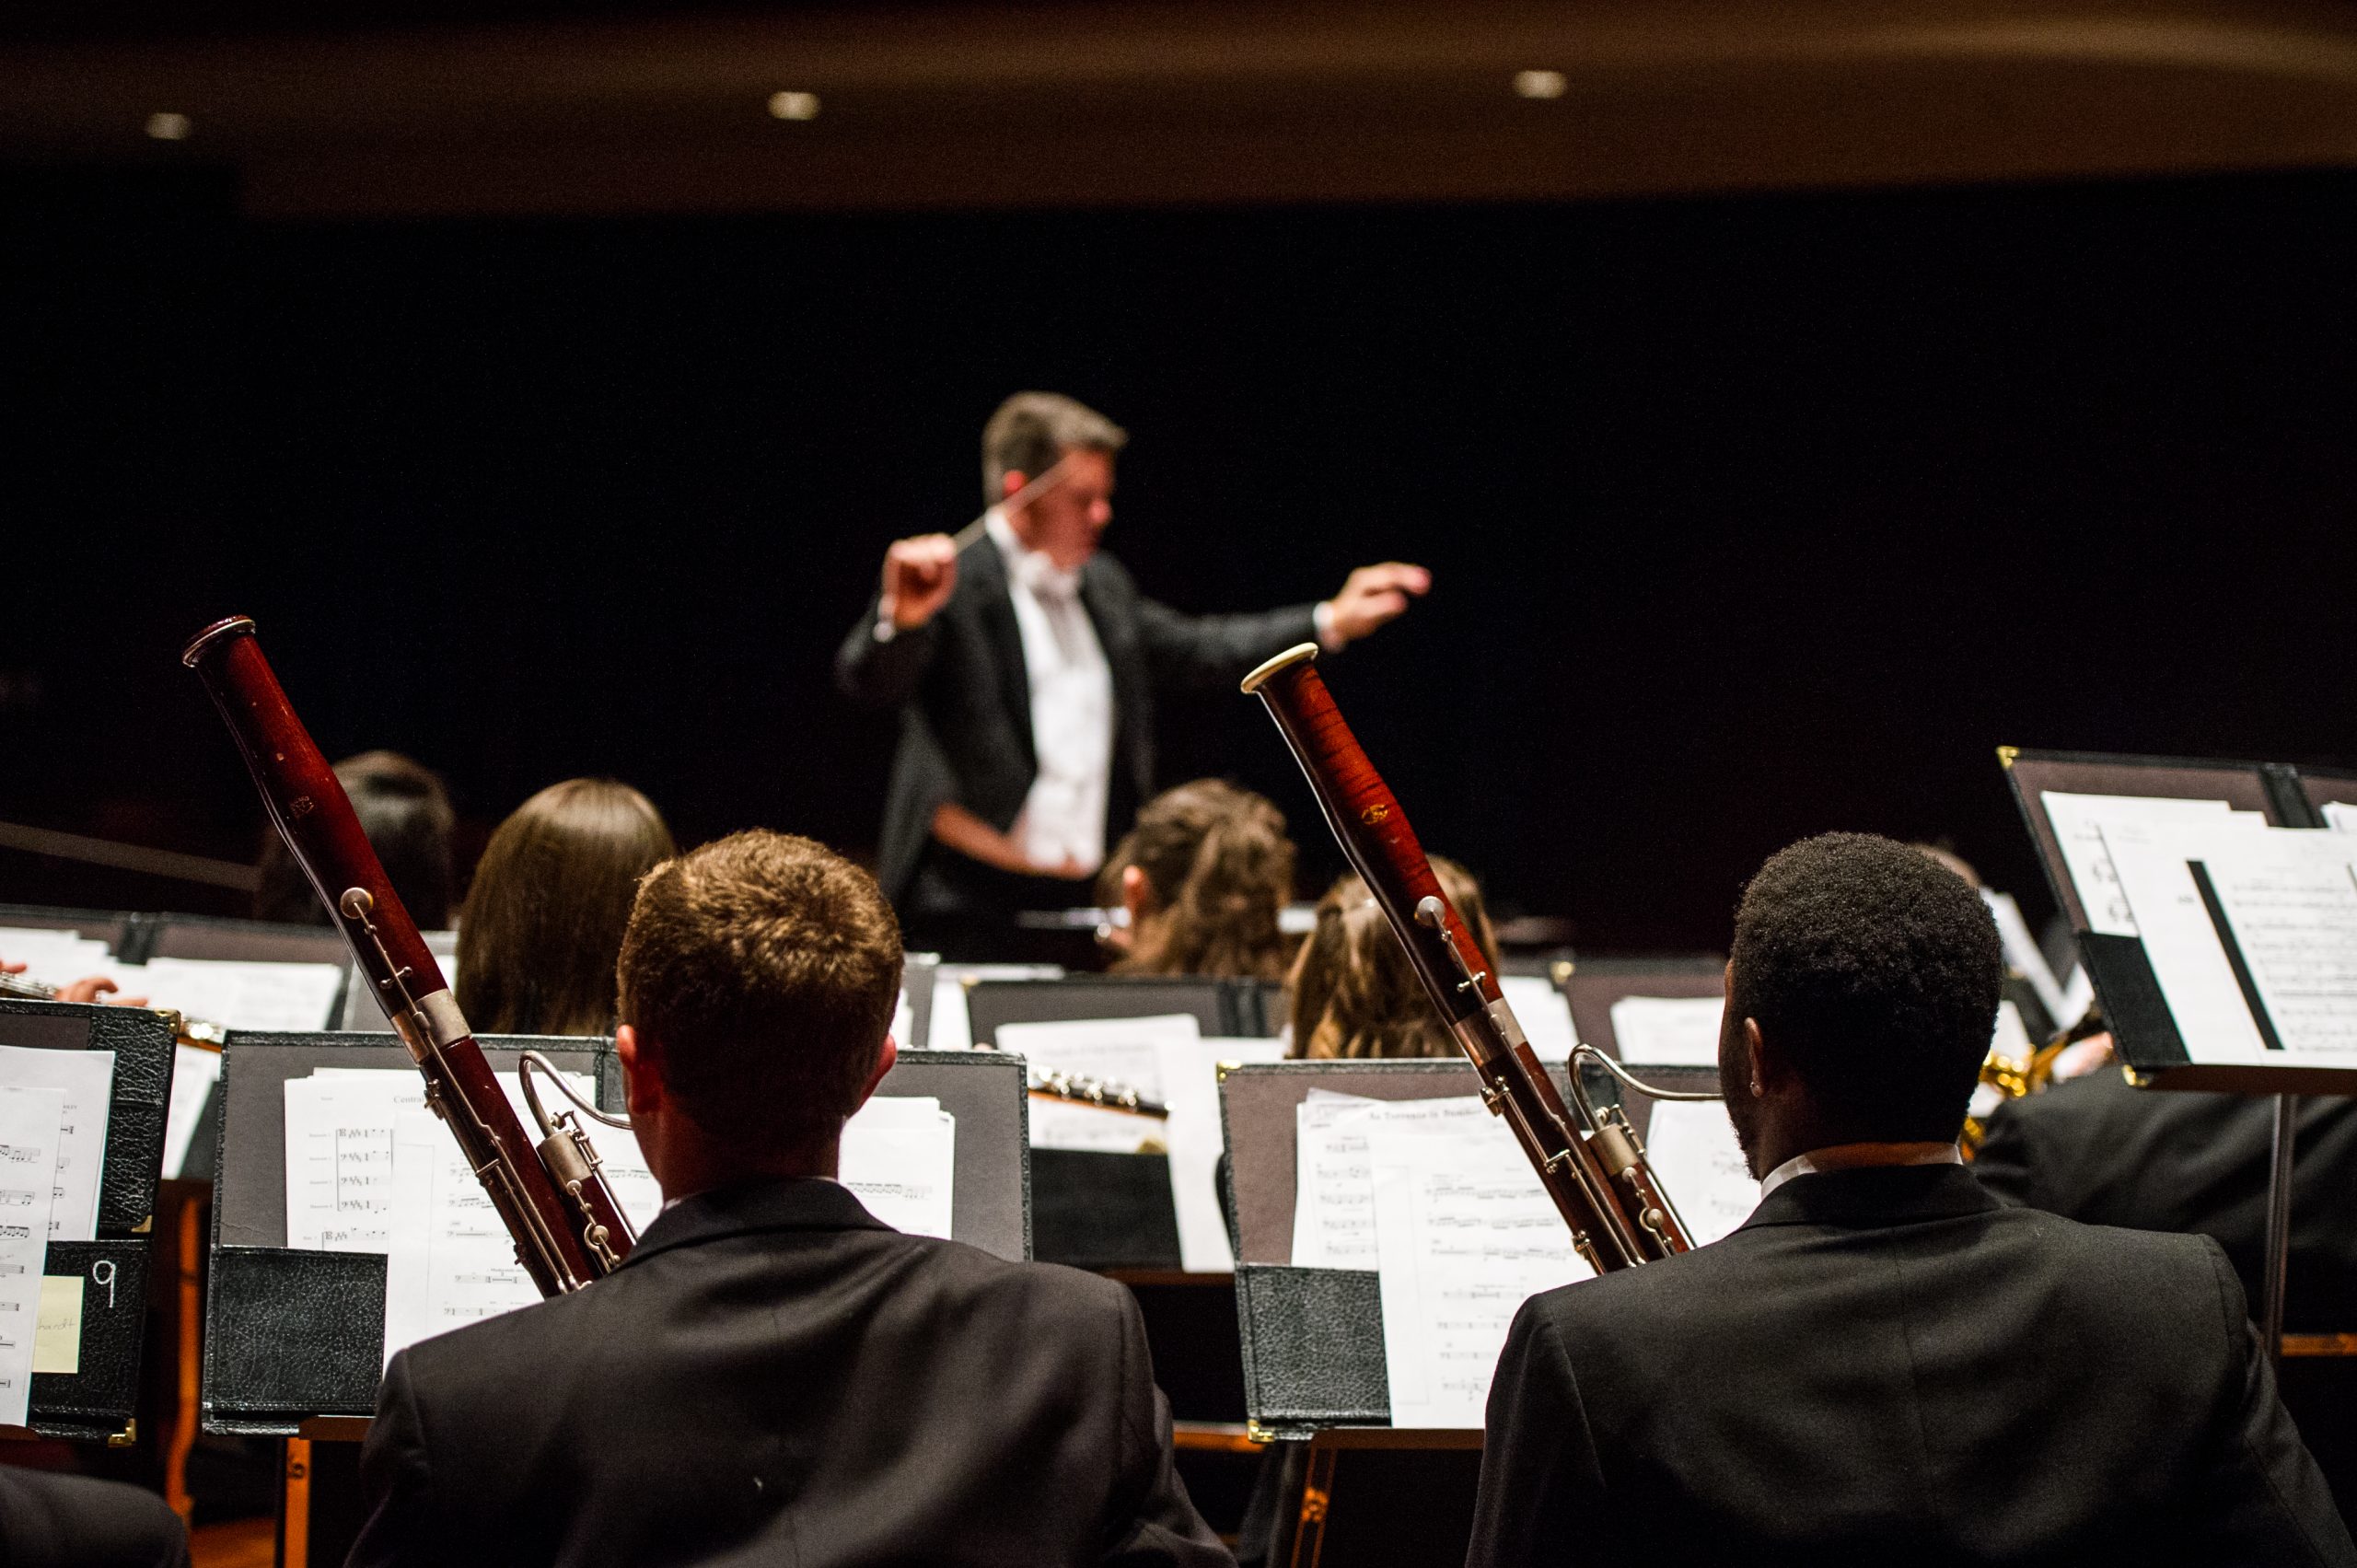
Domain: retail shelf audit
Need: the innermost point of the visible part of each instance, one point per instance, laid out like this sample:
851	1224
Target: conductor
1024	663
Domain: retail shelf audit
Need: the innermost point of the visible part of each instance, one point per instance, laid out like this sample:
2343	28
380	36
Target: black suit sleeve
1154	1521
2266	1501
1205	650
395	1481
1541	1488
884	675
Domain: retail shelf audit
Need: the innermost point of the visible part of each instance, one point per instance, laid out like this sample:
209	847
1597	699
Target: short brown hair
1354	992
550	898
763	969
1221	869
1031	430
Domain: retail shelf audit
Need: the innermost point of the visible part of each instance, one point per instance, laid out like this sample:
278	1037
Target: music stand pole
2279	1224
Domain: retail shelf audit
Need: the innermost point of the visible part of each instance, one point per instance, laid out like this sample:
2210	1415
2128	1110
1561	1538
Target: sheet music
29	1120
2339	816
194	1072
1545	1016
339	1130
1124	1051
54	957
2291	898
450	1260
2027	957
1189	1074
1669	1031
87	1080
1464	1234
899	1158
2079	820
1700	1164
1333	1188
238	994
2150	861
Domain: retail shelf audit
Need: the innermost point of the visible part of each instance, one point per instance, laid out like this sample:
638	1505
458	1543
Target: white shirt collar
1030	567
1805	1165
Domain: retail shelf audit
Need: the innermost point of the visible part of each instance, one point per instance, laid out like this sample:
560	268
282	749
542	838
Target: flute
567	1227
1590	1162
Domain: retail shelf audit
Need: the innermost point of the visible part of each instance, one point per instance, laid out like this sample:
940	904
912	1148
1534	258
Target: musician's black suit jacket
2095	1149
965	694
1889	1367
773	1376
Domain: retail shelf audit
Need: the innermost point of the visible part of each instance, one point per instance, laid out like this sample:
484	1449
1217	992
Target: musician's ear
884	1060
642	1085
1010	482
1137	894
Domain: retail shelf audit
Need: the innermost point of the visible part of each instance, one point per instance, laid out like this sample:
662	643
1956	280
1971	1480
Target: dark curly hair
1875	970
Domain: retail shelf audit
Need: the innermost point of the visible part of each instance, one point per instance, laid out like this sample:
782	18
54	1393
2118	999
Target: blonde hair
1220	867
1354	992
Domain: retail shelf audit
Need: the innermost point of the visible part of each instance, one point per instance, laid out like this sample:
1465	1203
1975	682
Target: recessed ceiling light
1539	84
794	106
167	127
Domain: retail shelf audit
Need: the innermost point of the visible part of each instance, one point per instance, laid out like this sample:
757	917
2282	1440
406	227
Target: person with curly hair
1354	992
1203	878
1884	1363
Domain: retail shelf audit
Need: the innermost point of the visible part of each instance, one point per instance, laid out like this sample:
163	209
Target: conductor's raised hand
919	574
1374	596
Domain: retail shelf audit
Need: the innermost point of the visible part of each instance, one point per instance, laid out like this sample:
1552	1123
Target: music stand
2144	1031
96	1401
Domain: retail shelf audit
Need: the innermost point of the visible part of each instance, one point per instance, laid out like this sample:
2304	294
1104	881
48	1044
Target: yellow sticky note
57	1338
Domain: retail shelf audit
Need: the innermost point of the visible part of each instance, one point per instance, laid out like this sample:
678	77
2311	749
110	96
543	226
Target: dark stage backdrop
1750	517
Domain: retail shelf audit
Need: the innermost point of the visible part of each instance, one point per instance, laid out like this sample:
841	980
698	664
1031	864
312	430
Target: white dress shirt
1071	709
1805	1165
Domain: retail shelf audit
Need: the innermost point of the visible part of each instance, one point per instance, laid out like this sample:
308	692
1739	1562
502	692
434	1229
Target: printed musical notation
85	1079
1464	1235
29	1123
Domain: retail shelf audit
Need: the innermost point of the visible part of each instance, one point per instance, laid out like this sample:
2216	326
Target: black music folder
294	1334
96	1400
2152	1040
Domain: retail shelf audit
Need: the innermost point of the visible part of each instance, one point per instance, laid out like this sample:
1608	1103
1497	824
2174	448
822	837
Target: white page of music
899	1160
29	1121
2023	952
2339	816
194	1072
1545	1016
239	994
2151	863
1189	1074
2079	822
1464	1235
1669	1031
54	957
339	1133
87	1080
1333	1188
1696	1158
1120	1051
450	1259
2291	898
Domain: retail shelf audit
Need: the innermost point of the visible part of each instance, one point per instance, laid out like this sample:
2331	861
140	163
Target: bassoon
1590	1162
567	1227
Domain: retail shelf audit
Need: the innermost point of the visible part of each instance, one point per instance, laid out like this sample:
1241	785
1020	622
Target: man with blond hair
774	1375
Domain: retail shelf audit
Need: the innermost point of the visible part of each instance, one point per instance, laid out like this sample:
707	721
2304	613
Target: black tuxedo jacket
965	694
773	1376
2095	1149
1890	1366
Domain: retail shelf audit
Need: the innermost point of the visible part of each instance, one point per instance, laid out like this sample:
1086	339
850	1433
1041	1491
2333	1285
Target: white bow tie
1048	582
